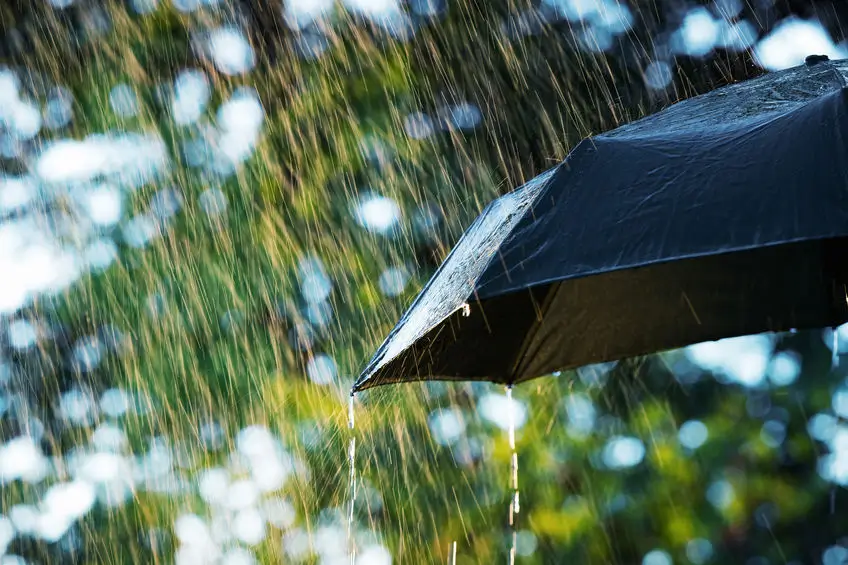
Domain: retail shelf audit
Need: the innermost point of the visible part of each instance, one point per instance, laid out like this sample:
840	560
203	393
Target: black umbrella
723	215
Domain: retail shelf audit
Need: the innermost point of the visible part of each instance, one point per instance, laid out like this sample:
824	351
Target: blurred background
213	211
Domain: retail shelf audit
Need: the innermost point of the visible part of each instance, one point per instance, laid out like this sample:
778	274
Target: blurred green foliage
294	198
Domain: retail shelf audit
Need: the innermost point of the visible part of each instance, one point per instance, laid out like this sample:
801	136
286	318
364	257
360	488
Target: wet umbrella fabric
723	215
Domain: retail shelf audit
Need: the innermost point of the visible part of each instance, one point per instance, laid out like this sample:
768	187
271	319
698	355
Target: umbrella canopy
722	215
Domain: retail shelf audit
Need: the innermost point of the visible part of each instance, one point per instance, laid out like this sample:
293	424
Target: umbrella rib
531	335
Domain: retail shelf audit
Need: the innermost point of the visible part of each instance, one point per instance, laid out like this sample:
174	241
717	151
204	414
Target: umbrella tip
815	59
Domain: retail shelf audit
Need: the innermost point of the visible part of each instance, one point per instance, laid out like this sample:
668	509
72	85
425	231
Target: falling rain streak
94	202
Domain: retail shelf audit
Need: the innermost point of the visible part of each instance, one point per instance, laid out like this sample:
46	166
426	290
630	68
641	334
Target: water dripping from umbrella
351	457
514	506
